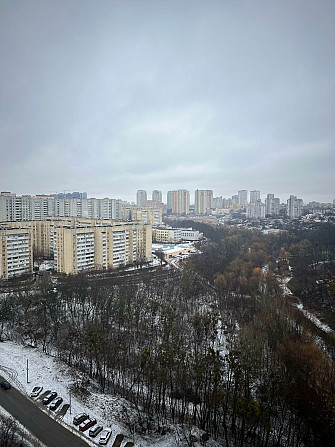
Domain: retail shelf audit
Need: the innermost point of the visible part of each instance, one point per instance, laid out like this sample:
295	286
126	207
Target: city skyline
247	195
168	95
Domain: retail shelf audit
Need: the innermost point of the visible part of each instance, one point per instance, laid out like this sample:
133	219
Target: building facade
272	205
203	201
254	196
76	244
167	235
256	210
243	197
16	252
142	214
294	207
157	195
99	248
141	197
180	201
25	208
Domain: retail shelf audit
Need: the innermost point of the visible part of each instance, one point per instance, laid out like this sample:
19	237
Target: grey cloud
114	96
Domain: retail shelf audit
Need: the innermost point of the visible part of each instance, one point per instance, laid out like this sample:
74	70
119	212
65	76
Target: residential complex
142	214
272	205
294	207
76	244
16	252
256	210
254	196
179	201
141	197
157	196
243	197
101	248
24	208
203	201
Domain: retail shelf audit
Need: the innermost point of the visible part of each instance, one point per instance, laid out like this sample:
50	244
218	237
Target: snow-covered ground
53	375
283	285
314	319
286	291
44	370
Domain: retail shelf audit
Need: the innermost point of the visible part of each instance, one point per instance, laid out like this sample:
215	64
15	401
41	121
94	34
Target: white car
36	391
105	435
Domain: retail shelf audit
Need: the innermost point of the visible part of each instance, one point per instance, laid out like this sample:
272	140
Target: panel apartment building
25	208
203	201
178	201
79	244
142	214
100	248
16	252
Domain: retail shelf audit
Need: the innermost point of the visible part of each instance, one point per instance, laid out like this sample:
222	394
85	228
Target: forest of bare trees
214	345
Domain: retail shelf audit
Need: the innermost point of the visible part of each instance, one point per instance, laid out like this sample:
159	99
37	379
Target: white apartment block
142	214
157	195
243	197
254	196
16	252
218	202
272	205
141	197
294	207
203	201
256	210
26	208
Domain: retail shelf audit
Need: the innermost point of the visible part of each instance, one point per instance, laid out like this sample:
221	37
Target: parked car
105	435
95	431
36	391
56	403
49	397
87	424
79	418
5	385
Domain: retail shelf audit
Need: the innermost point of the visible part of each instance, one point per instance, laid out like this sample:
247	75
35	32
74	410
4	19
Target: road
46	429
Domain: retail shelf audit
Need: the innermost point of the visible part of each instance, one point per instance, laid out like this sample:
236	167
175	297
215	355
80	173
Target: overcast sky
113	96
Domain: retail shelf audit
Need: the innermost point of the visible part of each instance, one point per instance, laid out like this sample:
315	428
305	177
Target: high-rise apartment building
16	252
256	210
142	214
294	207
243	197
203	201
254	196
169	201
218	202
180	201
141	197
26	208
71	195
76	244
272	205
157	195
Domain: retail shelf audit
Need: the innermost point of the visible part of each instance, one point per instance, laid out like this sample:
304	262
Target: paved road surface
46	429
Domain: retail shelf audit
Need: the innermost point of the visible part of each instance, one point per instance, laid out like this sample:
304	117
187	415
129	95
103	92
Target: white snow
314	319
53	375
44	370
283	285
